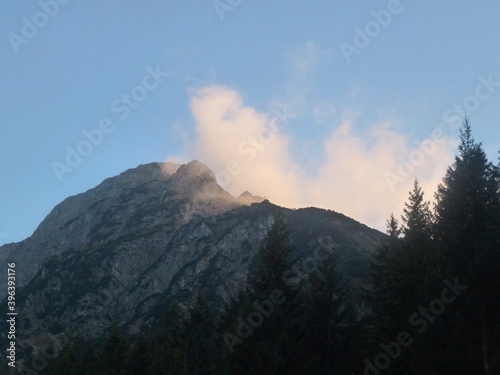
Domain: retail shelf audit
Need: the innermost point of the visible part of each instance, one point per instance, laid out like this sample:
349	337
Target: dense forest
432	306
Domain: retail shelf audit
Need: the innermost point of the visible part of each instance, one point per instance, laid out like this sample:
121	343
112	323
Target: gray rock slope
153	235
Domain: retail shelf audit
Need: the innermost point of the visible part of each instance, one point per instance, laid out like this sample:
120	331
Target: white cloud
249	150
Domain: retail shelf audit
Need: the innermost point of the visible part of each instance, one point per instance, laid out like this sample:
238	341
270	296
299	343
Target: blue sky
362	85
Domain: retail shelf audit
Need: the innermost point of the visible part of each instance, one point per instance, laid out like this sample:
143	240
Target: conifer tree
468	231
388	277
277	342
417	218
274	259
419	243
114	352
403	274
199	333
140	356
331	319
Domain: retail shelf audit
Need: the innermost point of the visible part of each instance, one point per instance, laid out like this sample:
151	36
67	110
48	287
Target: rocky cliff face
136	199
153	235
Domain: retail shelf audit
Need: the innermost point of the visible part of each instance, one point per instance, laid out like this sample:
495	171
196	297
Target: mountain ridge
156	234
152	178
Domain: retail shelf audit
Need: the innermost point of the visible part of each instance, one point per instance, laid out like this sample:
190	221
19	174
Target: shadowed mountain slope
154	235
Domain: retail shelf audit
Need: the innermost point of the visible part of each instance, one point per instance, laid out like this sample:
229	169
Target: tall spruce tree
387	300
331	319
468	207
199	332
468	231
140	356
423	273
277	343
114	352
404	273
417	219
419	244
274	259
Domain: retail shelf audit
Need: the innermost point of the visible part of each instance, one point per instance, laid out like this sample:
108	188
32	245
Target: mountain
154	235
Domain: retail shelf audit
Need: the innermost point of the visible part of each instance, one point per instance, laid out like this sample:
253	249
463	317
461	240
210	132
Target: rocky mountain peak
136	198
248	198
193	176
151	235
